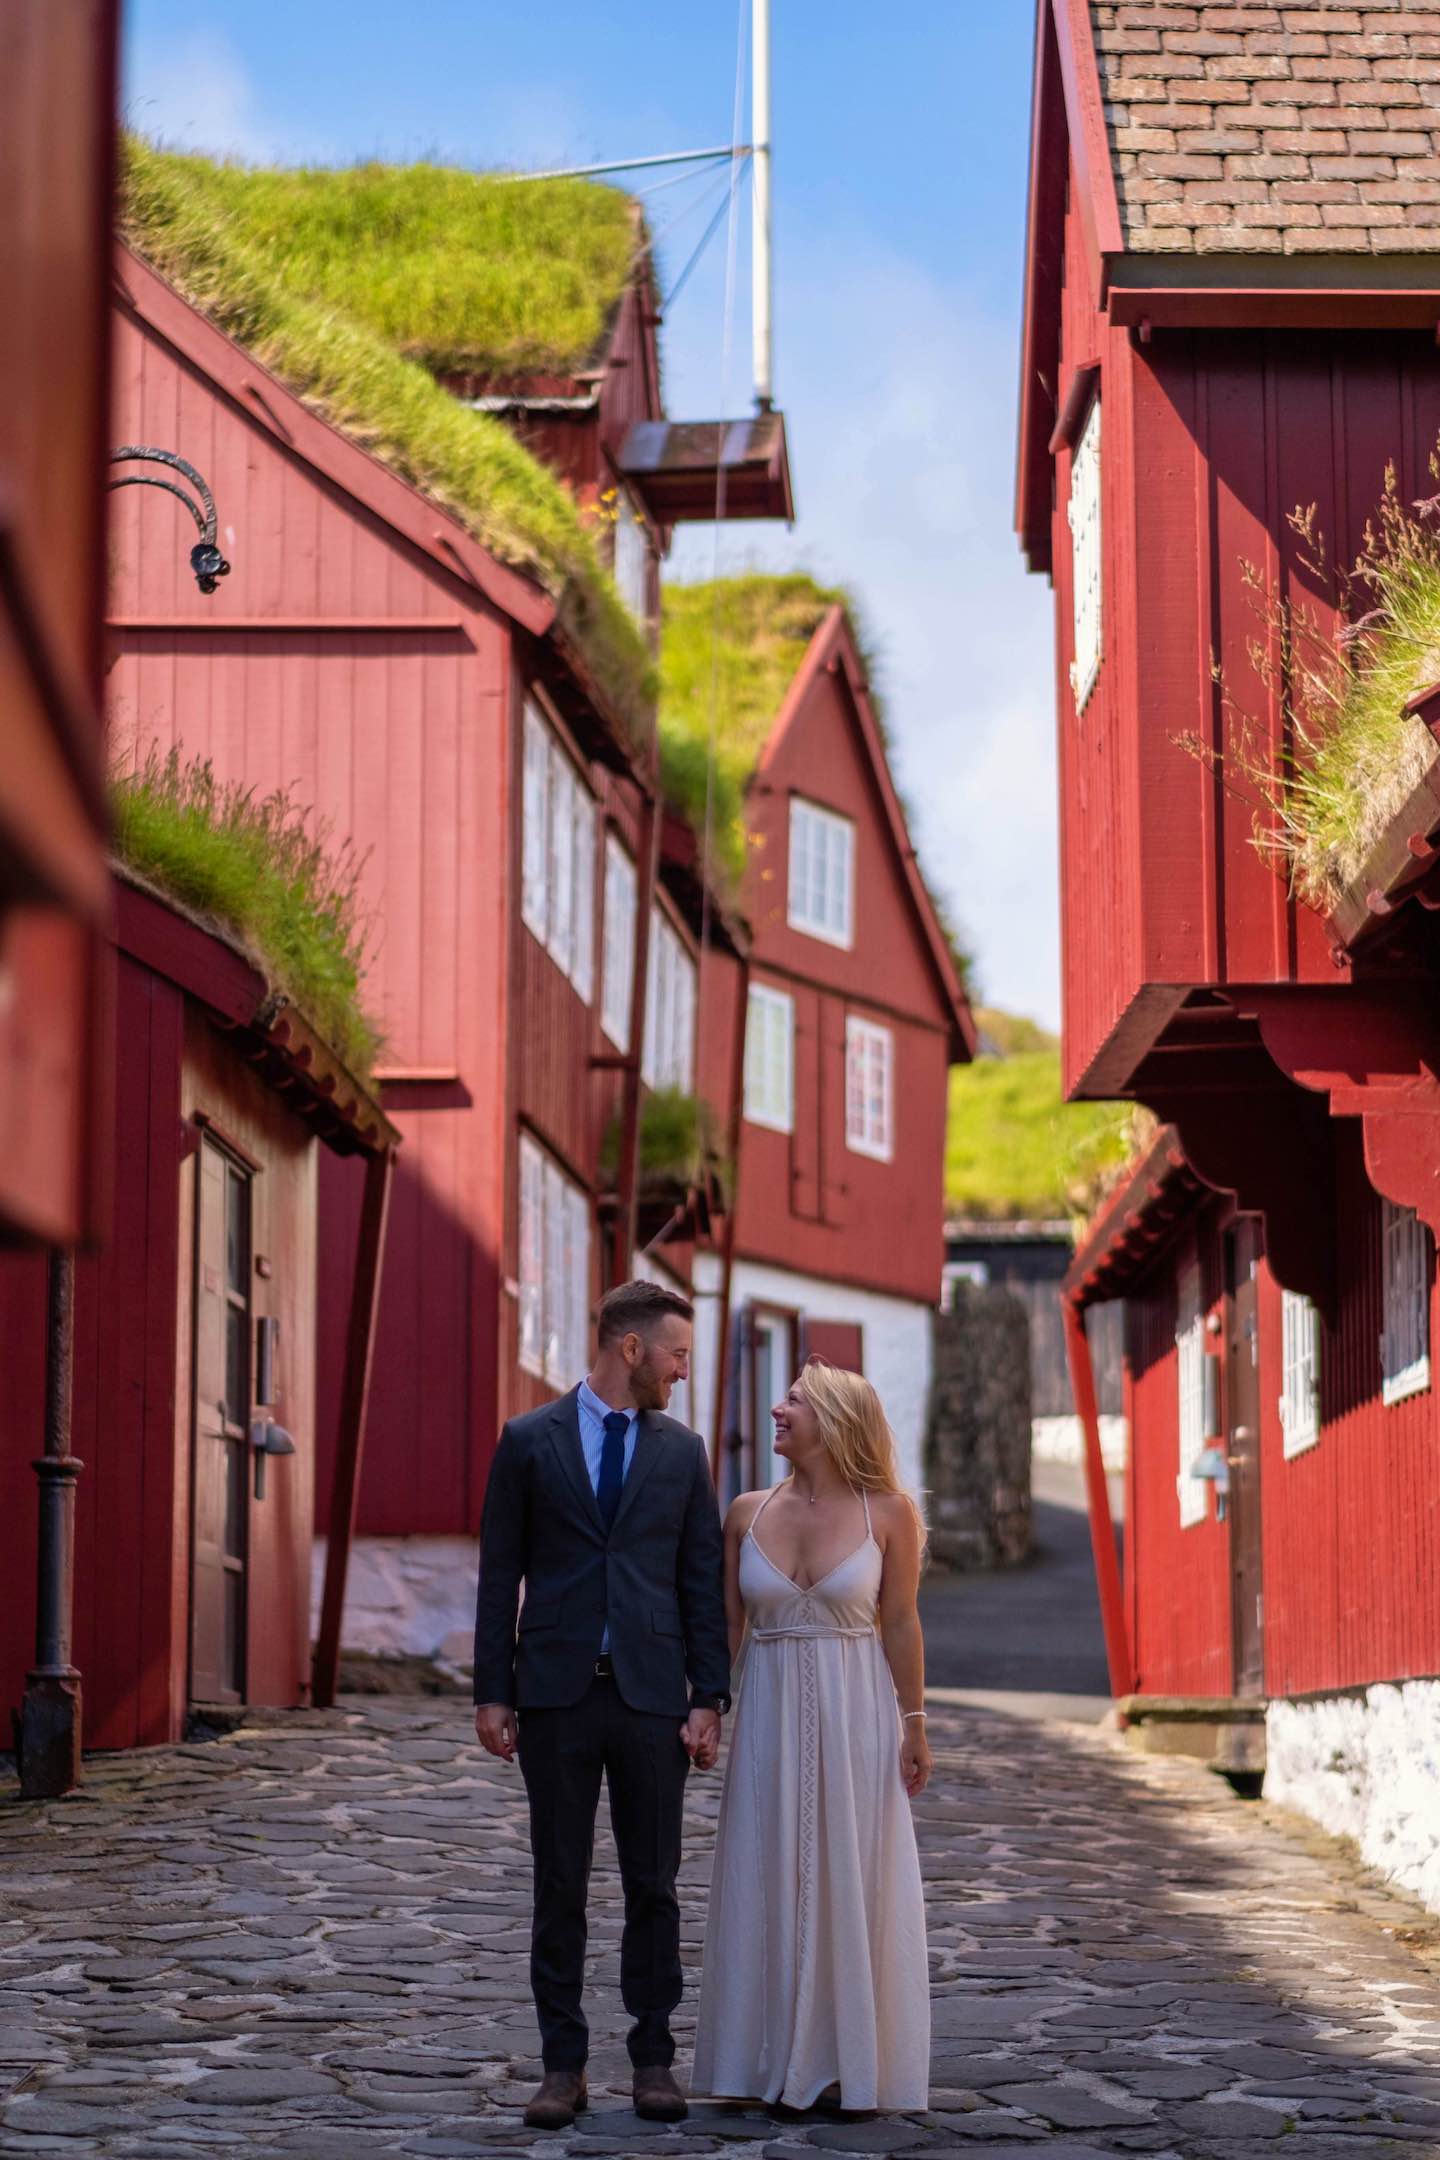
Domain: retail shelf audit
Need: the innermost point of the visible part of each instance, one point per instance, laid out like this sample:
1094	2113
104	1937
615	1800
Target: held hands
496	1730
700	1738
915	1759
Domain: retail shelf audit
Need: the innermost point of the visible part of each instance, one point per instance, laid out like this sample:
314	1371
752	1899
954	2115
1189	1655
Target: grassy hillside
1014	1149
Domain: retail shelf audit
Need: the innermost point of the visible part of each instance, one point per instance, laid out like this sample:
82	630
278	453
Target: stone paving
309	1939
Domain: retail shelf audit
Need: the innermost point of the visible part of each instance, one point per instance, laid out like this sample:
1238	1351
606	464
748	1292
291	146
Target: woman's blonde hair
855	1430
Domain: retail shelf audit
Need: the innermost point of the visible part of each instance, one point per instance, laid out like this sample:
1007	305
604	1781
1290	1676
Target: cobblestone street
309	1938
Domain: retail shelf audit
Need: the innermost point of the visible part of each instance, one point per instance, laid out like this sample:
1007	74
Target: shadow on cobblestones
309	1939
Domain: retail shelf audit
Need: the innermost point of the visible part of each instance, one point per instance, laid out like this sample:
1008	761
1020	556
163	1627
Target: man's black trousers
563	1754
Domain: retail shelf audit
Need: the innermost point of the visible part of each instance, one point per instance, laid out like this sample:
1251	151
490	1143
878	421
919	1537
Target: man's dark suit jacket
657	1580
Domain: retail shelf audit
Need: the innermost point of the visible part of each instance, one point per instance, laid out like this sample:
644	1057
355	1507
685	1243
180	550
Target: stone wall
977	1449
1367	1767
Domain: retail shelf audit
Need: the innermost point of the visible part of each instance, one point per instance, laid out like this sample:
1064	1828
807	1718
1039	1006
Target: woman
815	1966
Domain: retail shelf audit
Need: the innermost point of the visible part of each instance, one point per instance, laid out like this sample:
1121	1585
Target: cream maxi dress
815	1966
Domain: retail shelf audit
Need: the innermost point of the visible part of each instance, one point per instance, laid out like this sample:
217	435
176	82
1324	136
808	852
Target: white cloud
194	93
900	396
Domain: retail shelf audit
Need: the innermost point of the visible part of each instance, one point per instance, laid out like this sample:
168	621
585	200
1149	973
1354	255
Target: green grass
463	271
262	870
1012	1032
732	646
1014	1149
182	214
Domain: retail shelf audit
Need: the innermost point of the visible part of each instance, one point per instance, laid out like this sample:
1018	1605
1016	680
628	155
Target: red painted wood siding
807	1201
1352	1525
400	738
1209	441
1179	1578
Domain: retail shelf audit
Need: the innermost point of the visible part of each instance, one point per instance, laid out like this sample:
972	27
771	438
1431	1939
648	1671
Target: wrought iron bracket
206	560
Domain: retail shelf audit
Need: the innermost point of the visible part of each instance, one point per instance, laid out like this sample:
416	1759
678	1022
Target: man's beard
647	1387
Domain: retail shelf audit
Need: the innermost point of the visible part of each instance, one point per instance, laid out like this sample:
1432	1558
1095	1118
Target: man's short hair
637	1308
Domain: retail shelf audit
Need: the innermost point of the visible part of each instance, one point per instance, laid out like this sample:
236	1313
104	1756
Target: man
603	1507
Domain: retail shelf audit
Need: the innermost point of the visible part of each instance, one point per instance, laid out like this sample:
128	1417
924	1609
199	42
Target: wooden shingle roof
1246	128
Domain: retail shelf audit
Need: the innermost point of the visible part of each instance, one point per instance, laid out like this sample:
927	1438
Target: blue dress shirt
593	1414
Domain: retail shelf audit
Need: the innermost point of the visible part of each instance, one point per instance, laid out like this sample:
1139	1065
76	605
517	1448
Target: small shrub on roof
263	870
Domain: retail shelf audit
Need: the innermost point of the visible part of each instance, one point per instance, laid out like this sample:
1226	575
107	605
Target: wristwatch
720	1704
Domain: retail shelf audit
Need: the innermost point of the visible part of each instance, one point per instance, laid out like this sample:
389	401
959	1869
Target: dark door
1242	1418
221	1427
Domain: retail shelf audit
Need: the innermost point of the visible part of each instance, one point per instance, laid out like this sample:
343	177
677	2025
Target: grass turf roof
1015	1150
194	220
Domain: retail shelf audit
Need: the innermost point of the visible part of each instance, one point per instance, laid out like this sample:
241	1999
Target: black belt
604	1667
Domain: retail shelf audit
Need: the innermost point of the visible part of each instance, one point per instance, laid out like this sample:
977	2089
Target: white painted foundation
406	1594
1062	1440
1367	1767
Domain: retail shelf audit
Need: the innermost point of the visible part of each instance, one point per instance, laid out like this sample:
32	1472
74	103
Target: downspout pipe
1119	1652
354	1409
48	1726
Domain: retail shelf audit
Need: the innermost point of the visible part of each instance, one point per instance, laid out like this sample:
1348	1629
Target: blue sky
900	147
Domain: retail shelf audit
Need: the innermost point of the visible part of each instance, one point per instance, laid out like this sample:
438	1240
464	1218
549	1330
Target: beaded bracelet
908	1714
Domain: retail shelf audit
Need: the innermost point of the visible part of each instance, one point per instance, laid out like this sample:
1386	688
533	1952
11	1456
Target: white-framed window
822	873
617	985
869	1088
557	872
554	1269
770	1058
1083	512
1407	1265
669	1054
631	557
1300	1373
1190	1363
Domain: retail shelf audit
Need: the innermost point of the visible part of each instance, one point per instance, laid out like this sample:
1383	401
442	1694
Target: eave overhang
688	472
1404	862
1130	1230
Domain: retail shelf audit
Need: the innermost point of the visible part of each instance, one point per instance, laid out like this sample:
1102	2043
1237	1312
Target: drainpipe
354	1406
727	1249
1119	1655
48	1727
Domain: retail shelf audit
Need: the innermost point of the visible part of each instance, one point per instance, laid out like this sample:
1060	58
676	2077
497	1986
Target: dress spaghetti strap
865	1503
763	1505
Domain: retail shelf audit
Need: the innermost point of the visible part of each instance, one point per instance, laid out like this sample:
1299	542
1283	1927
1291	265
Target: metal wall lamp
208	564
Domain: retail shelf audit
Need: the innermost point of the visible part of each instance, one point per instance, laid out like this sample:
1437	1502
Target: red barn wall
1178	1578
1210	440
1352	1525
378	688
807	1202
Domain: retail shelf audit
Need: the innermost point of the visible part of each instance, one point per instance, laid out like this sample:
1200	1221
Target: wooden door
1242	1419
221	1427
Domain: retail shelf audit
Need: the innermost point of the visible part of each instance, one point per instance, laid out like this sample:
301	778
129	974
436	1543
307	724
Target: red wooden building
854	1014
194	1345
1231	264
483	736
57	154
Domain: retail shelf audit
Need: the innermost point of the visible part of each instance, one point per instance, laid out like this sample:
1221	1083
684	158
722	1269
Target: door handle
267	1438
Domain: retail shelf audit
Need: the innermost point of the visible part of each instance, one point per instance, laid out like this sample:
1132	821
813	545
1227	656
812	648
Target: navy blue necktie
612	1466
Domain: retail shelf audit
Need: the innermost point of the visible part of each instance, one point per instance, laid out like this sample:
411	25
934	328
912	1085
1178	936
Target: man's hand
496	1730
700	1738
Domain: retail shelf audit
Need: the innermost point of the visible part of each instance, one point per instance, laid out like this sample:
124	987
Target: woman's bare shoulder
893	1512
742	1511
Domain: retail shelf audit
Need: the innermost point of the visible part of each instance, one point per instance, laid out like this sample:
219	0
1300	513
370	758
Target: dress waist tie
808	1634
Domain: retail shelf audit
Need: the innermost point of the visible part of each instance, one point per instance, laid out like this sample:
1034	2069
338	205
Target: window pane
619	942
562	859
531	1258
535	821
582	970
821	873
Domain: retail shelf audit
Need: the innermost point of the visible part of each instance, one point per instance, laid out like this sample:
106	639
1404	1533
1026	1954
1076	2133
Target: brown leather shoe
559	2098
656	2096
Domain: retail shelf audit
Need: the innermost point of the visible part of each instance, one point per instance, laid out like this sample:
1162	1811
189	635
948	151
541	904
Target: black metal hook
208	564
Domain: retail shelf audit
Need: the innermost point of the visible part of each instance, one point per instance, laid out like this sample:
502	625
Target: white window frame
668	1059
821	873
869	1089
557	869
617	979
1190	1356
554	1269
1407	1265
630	557
1086	558
770	1058
1299	1374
